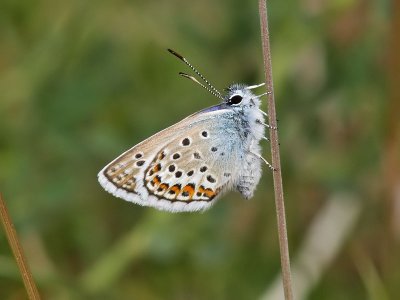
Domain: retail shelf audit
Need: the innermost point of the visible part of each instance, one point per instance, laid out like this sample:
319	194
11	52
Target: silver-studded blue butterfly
189	165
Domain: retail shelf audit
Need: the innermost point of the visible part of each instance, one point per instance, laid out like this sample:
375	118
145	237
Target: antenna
202	85
211	88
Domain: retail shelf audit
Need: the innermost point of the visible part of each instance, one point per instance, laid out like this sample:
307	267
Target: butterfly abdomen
250	176
251	131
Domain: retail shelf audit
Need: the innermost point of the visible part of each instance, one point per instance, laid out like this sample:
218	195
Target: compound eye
235	100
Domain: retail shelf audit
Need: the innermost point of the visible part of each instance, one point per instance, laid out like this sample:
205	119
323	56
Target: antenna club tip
176	54
188	76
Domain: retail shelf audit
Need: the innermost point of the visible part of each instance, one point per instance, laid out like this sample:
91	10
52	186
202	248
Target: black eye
235	99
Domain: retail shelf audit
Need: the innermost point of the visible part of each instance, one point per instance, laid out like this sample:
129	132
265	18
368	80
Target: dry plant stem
392	133
276	163
17	251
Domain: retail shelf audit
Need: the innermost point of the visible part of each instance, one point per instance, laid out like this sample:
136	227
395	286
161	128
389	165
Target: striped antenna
202	85
211	88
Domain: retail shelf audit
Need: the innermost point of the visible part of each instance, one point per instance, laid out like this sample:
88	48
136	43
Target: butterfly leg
266	125
263	112
264	160
263	94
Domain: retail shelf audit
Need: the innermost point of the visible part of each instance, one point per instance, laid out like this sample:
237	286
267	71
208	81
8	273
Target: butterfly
189	165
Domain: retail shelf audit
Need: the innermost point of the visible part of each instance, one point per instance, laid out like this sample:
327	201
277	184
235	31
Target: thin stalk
16	248
276	162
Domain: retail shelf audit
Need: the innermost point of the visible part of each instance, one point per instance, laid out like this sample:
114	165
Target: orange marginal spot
188	190
161	155
157	168
201	189
163	187
209	193
175	189
156	180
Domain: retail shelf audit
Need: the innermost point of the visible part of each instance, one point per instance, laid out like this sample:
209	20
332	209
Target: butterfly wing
182	168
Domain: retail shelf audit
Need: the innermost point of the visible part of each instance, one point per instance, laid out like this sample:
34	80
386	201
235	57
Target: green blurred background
82	81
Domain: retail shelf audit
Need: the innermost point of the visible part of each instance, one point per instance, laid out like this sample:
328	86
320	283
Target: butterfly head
240	97
245	106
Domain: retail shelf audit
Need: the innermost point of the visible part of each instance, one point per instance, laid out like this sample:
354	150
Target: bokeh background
82	81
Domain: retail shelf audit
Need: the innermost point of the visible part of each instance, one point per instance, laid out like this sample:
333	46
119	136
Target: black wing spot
197	155
186	142
210	179
140	163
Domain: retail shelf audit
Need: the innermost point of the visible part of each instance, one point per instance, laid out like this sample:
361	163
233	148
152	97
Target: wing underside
185	167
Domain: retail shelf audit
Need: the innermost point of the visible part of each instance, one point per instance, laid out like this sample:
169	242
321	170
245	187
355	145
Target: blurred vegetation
82	81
